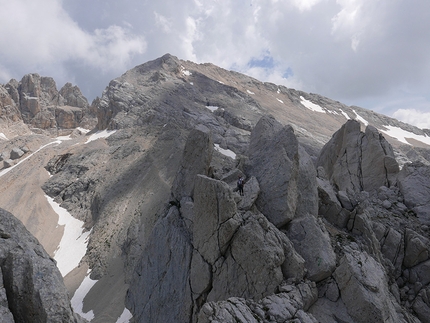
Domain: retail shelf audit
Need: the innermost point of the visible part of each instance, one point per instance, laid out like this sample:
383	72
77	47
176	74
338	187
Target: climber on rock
240	183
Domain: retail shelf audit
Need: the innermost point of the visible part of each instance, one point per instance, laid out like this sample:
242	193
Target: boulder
364	289
30	278
417	248
196	159
8	163
282	170
421	305
312	242
16	153
413	181
356	161
329	206
259	259
289	305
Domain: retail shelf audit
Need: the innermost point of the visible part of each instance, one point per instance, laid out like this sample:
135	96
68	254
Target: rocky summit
134	197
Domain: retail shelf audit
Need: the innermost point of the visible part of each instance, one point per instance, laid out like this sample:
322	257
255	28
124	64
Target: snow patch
125	316
311	106
83	130
191	83
345	115
280	100
73	244
63	138
212	108
220	82
185	72
78	298
226	152
250	92
361	119
279	91
100	134
2	136
402	135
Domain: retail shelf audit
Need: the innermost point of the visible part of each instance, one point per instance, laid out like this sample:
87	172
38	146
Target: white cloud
40	35
360	52
414	117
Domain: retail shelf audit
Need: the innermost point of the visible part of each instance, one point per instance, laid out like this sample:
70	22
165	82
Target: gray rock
312	242
196	159
329	206
421	305
417	248
364	289
413	184
285	306
215	220
282	169
8	163
30	279
255	273
163	275
251	190
16	153
356	161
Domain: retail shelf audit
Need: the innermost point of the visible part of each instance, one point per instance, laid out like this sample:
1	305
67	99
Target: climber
240	183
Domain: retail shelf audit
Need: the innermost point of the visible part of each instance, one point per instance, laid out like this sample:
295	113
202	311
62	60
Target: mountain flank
332	227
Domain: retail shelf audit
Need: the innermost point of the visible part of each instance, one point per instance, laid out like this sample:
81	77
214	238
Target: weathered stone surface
256	273
329	206
413	181
68	117
160	289
30	279
16	153
421	305
312	242
282	170
251	190
8	163
73	96
364	289
216	219
289	305
378	164
196	159
356	161
417	248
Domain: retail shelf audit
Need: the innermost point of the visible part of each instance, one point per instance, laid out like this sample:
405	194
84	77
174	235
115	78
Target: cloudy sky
370	53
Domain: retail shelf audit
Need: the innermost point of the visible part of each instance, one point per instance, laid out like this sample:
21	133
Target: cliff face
36	102
31	288
332	226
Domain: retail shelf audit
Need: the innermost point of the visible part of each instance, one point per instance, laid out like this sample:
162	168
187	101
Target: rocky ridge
329	228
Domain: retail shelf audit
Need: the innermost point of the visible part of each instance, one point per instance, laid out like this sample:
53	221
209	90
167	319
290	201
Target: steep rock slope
31	289
166	223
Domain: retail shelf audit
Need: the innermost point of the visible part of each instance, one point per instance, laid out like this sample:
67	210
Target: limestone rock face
160	290
282	170
30	279
356	161
413	182
196	160
36	101
73	96
290	304
363	288
312	242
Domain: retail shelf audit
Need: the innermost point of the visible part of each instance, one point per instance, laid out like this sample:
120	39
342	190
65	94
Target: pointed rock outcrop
356	161
284	171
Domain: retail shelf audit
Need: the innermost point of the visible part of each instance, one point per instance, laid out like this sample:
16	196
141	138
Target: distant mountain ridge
333	225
